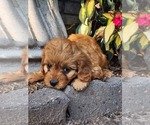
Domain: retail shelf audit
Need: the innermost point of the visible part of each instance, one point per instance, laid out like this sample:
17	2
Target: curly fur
77	59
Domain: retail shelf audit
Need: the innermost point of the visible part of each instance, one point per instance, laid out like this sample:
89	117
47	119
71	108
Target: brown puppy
77	59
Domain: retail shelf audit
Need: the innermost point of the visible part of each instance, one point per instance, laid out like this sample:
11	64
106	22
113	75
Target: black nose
53	82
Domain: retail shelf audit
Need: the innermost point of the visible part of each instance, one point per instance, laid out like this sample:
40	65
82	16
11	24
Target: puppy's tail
12	77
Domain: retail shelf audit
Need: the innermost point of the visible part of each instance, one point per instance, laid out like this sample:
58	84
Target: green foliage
113	29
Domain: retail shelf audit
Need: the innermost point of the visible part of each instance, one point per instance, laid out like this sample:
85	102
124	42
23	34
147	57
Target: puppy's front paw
34	77
79	85
31	78
107	73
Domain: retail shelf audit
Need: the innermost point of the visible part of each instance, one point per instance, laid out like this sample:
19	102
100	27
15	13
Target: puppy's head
58	63
62	61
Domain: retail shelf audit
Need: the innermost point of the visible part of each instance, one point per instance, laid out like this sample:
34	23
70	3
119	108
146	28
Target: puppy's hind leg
35	77
97	73
101	74
107	74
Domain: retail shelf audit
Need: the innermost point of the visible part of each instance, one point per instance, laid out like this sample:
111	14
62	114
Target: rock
72	8
14	107
136	101
98	99
47	106
135	95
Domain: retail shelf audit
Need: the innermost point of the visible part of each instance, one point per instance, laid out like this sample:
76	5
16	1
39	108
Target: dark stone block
72	8
70	19
47	106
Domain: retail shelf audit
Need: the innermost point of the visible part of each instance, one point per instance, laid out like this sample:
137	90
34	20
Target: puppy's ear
45	68
84	70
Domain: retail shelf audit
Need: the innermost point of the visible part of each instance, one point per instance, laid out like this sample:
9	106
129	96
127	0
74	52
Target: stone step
99	100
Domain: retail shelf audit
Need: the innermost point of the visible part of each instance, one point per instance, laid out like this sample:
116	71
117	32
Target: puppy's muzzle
53	82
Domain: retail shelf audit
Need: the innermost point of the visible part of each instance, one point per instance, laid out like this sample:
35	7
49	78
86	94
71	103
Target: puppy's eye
49	66
66	70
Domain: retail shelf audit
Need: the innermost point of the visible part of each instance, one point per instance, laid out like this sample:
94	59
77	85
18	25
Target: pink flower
143	20
97	5
118	20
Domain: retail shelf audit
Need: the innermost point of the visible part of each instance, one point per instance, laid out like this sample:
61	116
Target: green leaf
129	16
99	32
77	29
90	8
108	31
109	21
108	15
118	42
102	20
110	54
111	4
107	45
82	14
129	21
101	2
83	29
120	34
144	42
82	3
126	46
87	21
129	30
147	34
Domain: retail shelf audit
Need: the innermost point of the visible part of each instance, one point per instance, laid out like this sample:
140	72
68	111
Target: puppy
77	59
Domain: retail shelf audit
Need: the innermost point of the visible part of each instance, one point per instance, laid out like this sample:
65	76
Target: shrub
117	29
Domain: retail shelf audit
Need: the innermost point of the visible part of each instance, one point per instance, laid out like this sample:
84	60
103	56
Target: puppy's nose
53	82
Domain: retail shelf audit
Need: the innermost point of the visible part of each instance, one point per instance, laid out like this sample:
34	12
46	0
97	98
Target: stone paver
47	106
14	107
98	99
